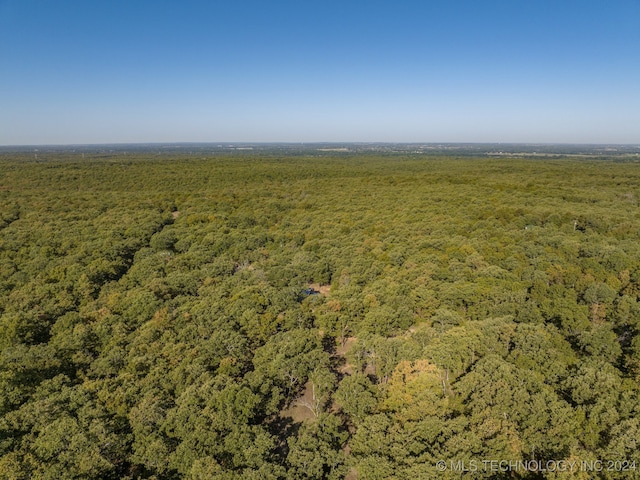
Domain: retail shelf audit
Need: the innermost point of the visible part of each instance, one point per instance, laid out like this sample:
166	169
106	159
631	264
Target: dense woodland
317	317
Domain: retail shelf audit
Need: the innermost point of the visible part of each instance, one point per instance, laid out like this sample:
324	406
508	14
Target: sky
525	71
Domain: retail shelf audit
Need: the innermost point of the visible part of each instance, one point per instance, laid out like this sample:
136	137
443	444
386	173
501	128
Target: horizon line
322	142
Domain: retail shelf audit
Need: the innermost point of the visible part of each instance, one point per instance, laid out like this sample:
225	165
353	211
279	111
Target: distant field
317	316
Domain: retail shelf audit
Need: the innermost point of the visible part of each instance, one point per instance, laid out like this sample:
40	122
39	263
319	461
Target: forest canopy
320	317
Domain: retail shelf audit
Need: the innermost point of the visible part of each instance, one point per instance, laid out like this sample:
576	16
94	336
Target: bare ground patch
322	289
344	367
299	410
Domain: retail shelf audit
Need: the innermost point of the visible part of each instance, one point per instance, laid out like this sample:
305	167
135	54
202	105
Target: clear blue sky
115	71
